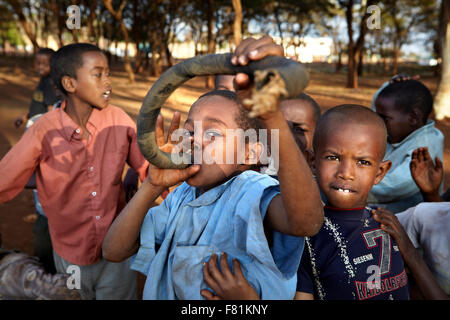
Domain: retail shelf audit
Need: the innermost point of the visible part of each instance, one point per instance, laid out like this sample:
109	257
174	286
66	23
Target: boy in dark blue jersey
352	257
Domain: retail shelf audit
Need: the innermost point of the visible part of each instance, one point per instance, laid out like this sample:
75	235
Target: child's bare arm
423	276
226	285
303	296
122	238
285	213
427	175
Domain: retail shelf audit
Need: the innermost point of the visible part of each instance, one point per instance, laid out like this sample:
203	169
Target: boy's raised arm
299	210
122	239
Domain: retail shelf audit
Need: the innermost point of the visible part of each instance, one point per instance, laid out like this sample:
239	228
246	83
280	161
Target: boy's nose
107	80
346	171
196	150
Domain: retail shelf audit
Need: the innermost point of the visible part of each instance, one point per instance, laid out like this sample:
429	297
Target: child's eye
332	158
299	129
188	133
212	134
364	162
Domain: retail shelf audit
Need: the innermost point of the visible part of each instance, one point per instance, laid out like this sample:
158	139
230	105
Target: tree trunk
91	32
156	69
139	60
127	63
360	63
209	80
442	99
395	59
74	30
355	49
117	14
352	76
237	24
339	62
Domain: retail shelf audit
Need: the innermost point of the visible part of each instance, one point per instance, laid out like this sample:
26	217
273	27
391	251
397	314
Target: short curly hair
67	60
409	95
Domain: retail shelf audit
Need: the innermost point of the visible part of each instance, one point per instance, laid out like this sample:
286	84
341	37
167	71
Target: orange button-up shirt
79	181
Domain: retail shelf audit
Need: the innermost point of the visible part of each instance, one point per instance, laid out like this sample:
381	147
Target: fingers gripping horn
293	74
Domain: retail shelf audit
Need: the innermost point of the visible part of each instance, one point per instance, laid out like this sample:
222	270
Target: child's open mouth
343	189
107	94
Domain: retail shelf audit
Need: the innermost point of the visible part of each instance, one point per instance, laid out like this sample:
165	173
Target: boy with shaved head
359	253
352	257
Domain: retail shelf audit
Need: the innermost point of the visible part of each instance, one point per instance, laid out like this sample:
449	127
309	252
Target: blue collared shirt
227	218
398	191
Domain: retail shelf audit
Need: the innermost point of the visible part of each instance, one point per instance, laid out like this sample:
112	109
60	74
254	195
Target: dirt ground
18	82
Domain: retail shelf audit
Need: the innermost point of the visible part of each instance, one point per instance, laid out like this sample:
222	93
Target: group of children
310	227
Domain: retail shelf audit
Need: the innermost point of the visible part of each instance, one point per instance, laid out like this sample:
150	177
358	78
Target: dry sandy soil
17	84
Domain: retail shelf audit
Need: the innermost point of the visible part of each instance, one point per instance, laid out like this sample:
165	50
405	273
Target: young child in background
301	114
405	107
78	152
45	95
428	223
341	260
397	78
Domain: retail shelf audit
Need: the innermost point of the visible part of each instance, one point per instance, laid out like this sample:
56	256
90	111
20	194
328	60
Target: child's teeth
346	191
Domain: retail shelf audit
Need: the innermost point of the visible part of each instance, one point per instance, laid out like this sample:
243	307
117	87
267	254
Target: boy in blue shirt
220	208
404	107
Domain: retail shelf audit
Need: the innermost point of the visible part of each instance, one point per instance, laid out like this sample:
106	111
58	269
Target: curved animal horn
293	73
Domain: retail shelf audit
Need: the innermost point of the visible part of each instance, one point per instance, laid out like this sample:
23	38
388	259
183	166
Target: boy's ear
69	84
382	170
415	118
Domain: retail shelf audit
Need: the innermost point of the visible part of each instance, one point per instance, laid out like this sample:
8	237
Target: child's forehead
214	107
43	56
342	134
303	110
297	104
94	59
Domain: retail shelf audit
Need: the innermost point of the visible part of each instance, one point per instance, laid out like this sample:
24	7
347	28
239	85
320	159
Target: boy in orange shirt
78	152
